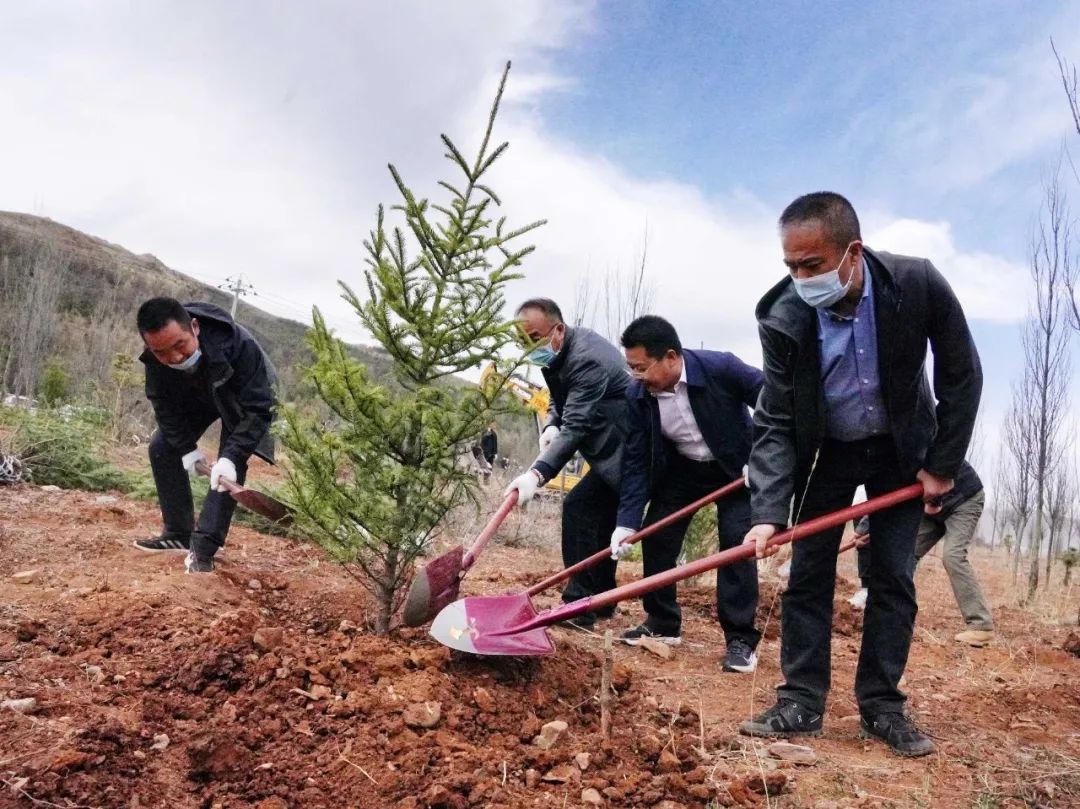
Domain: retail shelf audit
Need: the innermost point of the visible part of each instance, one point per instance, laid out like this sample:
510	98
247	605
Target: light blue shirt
854	406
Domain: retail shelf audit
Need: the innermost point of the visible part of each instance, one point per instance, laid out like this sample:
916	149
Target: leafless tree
1046	353
1061	494
30	285
1070	82
620	296
1017	478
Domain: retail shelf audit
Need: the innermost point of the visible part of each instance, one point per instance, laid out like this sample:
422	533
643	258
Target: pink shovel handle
730	556
644	533
490	530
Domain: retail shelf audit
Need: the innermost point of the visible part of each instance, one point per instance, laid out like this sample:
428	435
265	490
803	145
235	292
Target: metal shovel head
433	587
484	625
263	505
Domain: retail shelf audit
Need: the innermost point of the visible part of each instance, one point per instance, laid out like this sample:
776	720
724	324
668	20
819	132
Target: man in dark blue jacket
689	434
201	367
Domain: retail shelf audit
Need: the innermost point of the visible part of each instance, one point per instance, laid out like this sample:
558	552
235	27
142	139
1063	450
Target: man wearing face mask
846	401
587	380
690	434
201	366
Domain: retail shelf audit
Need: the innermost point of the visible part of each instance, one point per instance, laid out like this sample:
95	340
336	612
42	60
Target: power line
237	287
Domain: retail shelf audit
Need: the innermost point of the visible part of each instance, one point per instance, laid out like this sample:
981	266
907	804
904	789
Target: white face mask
822	291
188	365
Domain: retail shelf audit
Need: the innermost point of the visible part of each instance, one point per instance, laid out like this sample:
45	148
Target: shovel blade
433	587
484	625
264	505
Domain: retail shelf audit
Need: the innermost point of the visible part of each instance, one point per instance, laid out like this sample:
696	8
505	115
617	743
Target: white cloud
226	142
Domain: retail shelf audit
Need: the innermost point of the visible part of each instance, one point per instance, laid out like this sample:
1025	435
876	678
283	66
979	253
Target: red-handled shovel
436	585
644	533
259	502
510	625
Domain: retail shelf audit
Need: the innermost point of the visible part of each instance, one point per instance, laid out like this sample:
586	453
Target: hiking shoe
198	564
783	720
632	637
975	637
740	657
897	731
858	601
165	542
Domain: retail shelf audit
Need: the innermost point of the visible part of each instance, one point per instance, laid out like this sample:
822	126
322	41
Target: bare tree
1070	81
1060	496
31	287
1017	477
622	296
1046	353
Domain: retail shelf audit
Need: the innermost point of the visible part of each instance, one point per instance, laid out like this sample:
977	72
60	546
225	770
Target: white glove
746	476
191	459
526	486
224	469
619	549
549	435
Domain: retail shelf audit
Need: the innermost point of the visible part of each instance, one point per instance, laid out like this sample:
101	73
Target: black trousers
174	491
806	620
588	520
736	585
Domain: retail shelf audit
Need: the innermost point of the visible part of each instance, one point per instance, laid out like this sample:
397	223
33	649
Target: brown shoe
975	637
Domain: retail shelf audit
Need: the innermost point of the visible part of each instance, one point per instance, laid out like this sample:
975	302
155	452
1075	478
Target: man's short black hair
156	313
833	211
545	305
654	334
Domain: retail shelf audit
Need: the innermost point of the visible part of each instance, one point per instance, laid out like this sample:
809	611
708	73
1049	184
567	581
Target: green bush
54	386
59	449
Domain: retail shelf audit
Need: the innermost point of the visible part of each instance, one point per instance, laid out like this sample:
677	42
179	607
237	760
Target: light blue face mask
188	365
822	291
542	356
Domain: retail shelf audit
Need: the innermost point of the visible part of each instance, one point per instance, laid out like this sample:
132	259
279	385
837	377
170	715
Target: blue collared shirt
854	406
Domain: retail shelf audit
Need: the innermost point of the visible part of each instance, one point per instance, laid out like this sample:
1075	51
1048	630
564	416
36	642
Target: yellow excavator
536	398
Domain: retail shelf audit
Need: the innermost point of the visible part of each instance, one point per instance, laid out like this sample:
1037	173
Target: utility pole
237	287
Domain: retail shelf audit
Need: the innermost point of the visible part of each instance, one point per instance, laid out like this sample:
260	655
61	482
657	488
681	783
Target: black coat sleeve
169	414
254	393
636	463
773	457
957	377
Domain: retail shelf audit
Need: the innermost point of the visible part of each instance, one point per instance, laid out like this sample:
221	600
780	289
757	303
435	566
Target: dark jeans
806	620
736	585
174	491
588	520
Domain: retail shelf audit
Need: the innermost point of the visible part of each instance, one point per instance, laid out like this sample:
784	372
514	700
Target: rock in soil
800	754
268	638
24	576
422	714
562	774
550	734
658	648
25	706
590	797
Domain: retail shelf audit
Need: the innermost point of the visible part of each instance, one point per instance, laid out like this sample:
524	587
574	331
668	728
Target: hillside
101	285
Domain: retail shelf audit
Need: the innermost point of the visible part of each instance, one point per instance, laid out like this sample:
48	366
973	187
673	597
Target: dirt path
259	686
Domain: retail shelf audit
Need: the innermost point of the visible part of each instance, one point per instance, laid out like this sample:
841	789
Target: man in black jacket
201	366
689	435
586	377
846	402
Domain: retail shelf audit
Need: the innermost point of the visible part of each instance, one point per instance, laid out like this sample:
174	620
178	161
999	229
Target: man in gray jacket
587	379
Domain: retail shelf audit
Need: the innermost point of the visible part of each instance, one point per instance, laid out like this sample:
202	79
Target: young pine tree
370	485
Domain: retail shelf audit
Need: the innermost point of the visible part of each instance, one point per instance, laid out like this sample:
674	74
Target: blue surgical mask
542	356
822	291
188	365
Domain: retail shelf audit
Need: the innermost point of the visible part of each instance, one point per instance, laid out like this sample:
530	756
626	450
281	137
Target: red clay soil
261	686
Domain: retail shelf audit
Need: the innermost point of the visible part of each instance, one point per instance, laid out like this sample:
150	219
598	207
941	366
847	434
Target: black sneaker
198	564
897	731
585	622
783	720
166	542
632	637
740	657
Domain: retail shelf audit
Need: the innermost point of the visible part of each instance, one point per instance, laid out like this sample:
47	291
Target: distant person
847	402
201	367
489	444
954	527
689	434
586	377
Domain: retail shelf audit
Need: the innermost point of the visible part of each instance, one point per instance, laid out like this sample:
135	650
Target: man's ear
195	326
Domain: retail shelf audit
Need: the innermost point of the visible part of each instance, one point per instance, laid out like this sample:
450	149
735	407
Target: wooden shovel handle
645	532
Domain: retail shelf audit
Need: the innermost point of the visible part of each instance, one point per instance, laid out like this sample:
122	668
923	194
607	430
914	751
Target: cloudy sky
253	137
